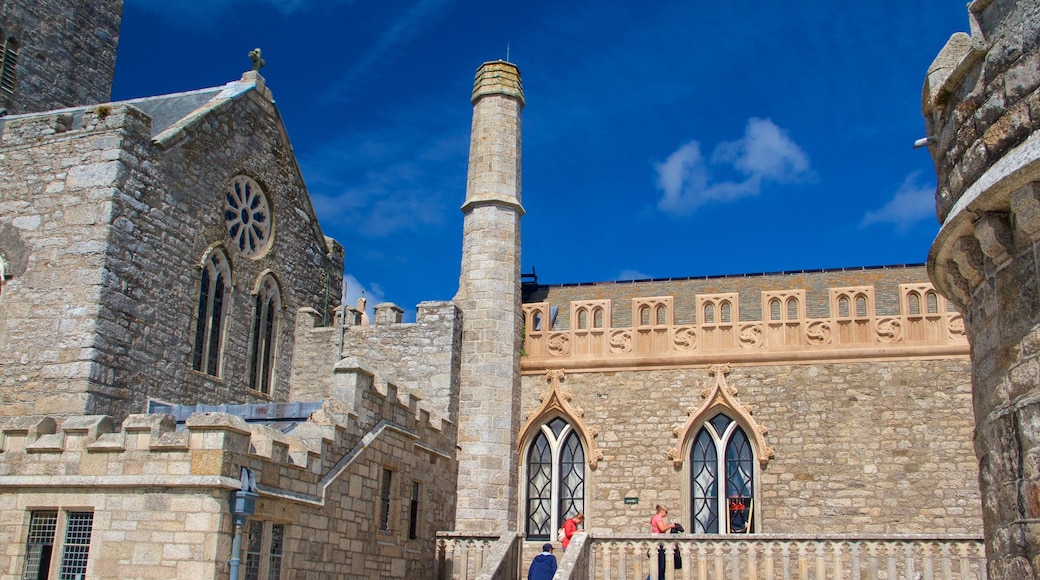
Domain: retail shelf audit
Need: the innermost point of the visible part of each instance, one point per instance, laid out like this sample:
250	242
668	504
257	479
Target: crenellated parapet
32	130
208	450
924	326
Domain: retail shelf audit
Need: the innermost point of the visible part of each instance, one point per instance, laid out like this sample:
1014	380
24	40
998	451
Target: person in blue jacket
543	567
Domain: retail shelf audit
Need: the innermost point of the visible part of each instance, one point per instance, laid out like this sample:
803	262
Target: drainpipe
243	505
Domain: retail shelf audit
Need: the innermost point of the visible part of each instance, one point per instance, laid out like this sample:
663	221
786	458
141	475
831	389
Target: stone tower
982	110
57	53
489	297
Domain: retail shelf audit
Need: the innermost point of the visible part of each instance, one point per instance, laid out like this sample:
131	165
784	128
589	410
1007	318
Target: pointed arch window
555	487
722	460
266	323
214	289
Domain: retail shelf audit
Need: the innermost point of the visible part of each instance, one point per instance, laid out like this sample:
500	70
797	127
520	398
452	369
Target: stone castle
183	394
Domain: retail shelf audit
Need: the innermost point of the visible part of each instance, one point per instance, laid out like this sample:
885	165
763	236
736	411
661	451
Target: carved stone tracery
556	402
720	397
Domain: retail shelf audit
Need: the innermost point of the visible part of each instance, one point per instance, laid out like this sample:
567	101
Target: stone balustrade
925	326
758	556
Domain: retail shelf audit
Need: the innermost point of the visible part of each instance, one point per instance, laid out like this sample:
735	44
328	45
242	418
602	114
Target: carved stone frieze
889	329
852	329
556	402
684	339
620	341
750	335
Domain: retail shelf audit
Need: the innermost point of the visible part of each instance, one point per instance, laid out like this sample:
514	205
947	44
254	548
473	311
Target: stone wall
420	358
66	52
160	496
881	447
748	287
981	103
105	229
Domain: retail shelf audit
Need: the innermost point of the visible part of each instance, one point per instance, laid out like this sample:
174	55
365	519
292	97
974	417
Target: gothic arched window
266	320
555	479
209	326
721	458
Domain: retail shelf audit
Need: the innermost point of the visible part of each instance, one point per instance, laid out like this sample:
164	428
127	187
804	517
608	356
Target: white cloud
633	275
912	202
765	154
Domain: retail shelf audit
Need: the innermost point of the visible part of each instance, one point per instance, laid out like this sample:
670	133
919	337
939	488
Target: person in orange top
570	527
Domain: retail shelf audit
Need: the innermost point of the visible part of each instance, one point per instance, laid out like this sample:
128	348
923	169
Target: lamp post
243	505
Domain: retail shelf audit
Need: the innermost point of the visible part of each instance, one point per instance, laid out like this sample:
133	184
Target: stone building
183	394
981	104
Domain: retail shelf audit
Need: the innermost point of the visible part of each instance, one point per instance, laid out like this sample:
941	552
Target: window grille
274	570
77	546
40	545
254	542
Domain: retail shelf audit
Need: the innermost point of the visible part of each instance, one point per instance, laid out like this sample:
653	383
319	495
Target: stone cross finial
258	61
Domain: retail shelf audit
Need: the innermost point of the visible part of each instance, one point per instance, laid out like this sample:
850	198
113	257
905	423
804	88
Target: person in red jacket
569	527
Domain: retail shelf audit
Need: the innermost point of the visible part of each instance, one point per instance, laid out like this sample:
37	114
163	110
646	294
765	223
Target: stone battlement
26	130
95	451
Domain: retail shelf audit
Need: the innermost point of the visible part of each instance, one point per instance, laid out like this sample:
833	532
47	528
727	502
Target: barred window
274	570
254	547
77	545
213	290
266	321
40	545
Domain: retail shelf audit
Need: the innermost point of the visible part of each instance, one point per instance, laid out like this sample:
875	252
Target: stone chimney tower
489	297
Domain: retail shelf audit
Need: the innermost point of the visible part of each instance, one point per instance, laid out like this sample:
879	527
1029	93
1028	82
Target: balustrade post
821	560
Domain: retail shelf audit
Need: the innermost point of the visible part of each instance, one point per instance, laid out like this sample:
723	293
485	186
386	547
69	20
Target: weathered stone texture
983	104
108	232
489	298
67	52
160	497
881	447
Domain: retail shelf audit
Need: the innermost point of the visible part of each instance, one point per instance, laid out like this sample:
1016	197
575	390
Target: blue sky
661	139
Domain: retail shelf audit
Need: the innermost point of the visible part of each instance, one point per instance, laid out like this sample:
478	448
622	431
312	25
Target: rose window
247	216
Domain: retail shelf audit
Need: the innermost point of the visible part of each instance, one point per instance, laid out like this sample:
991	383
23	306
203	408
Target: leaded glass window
266	319
722	458
555	488
213	290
